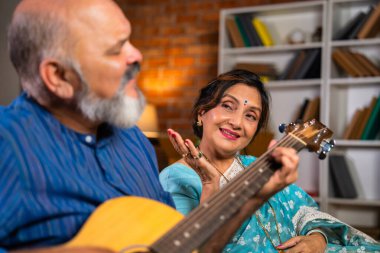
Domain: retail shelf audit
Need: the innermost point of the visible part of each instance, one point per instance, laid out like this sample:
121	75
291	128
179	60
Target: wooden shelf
358	144
275	48
294	83
340	96
354	202
355	81
350	43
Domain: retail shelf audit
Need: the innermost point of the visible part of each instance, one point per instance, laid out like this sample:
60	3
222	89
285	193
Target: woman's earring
199	123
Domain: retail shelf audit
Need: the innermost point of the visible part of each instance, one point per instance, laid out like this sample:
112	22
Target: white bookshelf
340	95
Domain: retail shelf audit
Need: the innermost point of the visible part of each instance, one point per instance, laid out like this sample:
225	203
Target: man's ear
54	75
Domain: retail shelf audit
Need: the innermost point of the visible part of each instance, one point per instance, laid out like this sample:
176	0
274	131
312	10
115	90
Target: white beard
121	111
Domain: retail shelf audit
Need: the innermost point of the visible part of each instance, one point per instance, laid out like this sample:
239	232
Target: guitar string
229	186
220	200
201	213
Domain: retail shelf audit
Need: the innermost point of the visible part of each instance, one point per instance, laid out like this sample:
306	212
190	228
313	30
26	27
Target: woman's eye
251	117
227	106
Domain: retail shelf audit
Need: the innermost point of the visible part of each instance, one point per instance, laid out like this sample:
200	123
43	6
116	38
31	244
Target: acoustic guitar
134	224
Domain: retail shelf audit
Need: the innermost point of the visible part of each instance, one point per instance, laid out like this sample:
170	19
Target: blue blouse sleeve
184	184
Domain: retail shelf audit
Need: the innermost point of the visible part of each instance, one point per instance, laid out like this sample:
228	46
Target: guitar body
126	222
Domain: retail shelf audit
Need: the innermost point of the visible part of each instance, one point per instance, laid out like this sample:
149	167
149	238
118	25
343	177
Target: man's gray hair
32	37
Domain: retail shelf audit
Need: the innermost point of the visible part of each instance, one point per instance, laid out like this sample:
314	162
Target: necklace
213	165
258	218
266	232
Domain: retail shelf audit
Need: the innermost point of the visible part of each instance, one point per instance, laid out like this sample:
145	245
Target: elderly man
68	142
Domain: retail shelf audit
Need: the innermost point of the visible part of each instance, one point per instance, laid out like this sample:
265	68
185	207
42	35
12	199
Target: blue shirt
52	178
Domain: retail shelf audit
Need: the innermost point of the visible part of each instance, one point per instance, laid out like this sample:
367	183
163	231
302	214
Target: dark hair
211	95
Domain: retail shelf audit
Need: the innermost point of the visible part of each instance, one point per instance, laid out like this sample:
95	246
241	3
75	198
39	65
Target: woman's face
230	126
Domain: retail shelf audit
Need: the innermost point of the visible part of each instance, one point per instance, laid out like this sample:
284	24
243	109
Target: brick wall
179	42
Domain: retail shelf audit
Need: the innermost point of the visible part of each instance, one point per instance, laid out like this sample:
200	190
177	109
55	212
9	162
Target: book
307	64
255	66
288	67
357	124
315	69
241	29
372	127
357	132
372	26
262	31
354	32
345	32
234	33
295	65
343	183
368	64
351	125
366	113
312	110
340	58
261	69
361	68
253	36
302	110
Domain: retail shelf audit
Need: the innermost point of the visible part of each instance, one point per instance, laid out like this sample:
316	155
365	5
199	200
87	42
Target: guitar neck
205	220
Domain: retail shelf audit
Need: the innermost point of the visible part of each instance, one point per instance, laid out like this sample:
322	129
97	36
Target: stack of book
306	64
343	185
365	123
355	64
308	110
266	71
246	30
365	24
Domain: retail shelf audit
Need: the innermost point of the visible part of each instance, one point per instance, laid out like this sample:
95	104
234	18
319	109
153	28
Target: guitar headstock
316	136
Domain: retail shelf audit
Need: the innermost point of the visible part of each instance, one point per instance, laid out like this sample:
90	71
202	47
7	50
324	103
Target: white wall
9	84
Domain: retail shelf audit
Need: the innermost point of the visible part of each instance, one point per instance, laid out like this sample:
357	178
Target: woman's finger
290	243
194	152
178	143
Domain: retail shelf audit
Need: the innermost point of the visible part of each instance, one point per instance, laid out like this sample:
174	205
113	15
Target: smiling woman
228	114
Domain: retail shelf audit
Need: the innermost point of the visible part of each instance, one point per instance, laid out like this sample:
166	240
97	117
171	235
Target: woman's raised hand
194	158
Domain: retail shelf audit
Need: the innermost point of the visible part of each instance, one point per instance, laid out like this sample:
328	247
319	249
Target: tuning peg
325	148
282	127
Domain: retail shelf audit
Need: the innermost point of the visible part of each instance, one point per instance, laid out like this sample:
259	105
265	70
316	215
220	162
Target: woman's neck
221	161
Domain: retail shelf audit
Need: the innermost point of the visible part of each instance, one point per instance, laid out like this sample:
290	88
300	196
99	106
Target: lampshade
148	122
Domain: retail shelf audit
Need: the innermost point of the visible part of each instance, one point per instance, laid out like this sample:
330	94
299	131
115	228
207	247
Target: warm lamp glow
148	122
